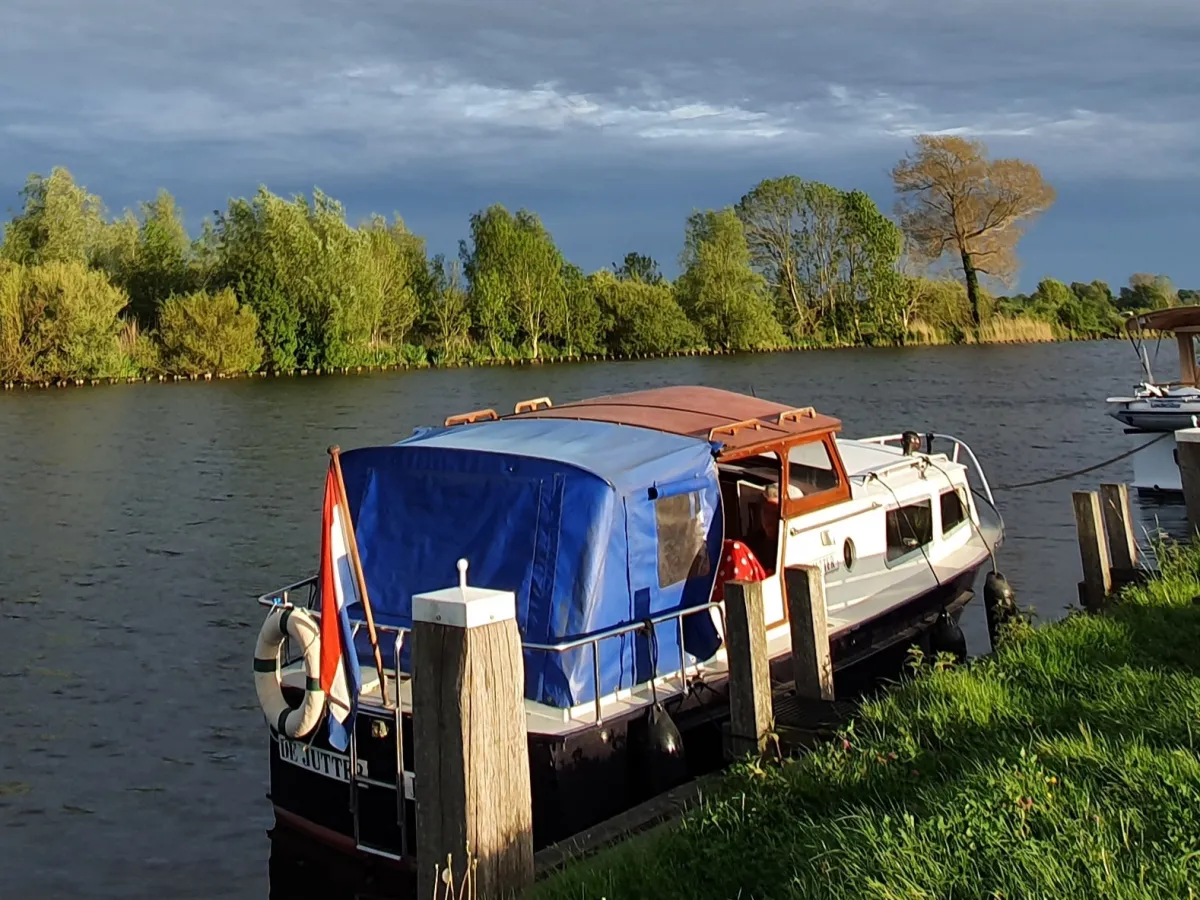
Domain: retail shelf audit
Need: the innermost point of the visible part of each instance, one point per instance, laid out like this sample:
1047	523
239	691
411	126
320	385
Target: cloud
1084	86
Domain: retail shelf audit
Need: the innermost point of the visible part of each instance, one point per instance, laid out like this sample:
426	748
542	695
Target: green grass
1063	766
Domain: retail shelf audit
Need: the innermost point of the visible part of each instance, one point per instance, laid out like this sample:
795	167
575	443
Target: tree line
278	284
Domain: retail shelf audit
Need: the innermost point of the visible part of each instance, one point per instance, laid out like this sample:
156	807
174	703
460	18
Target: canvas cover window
682	546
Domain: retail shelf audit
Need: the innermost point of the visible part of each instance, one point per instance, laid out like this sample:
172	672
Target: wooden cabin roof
1173	319
737	421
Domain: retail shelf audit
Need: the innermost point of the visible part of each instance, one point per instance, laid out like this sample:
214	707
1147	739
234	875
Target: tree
952	199
1147	292
59	222
515	271
583	324
213	333
60	319
719	290
157	264
642	316
637	267
776	215
447	318
393	273
870	249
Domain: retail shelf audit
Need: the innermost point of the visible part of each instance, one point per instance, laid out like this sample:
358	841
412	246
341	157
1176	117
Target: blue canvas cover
561	512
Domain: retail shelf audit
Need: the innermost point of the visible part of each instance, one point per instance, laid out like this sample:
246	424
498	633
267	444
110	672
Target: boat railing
960	447
304	594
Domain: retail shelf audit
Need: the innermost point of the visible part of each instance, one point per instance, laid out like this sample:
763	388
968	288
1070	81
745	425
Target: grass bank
1063	766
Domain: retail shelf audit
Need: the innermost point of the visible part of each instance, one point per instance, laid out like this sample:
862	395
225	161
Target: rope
1100	465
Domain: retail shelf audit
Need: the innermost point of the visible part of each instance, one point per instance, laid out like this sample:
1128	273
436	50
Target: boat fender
301	627
947	637
663	732
665	758
999	596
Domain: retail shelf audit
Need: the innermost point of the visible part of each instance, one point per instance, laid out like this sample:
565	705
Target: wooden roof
737	421
1177	317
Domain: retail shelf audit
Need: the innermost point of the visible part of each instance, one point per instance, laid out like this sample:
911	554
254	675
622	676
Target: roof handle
531	405
795	415
735	427
469	418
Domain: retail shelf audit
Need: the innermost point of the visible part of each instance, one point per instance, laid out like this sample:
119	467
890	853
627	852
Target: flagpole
334	453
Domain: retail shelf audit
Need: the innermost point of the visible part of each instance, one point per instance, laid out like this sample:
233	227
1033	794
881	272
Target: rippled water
139	521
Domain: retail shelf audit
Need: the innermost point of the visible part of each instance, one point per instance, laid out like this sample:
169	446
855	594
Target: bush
204	332
60	320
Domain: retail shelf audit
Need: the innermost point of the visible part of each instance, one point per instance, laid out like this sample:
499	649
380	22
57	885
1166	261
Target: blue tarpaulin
566	514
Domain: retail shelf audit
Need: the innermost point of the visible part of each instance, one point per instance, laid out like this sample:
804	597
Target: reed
1018	330
1064	765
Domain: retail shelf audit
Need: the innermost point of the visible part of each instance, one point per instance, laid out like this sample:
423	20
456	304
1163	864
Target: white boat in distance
1158	406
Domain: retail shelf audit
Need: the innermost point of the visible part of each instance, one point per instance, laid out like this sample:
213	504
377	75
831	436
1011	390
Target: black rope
648	624
1075	474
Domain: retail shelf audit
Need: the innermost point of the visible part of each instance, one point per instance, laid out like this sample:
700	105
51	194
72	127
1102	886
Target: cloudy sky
614	119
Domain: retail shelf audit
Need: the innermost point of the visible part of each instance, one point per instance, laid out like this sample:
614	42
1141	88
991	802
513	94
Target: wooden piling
1118	526
804	587
471	757
1093	550
1187	449
749	668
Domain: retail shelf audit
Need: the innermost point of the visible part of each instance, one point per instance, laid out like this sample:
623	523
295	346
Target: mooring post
805	590
1118	525
1093	549
471	756
1187	450
749	668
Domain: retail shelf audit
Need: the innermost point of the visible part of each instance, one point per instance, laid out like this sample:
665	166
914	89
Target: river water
140	520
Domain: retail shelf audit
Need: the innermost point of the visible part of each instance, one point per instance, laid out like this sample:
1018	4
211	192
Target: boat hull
1156	468
587	776
1157	415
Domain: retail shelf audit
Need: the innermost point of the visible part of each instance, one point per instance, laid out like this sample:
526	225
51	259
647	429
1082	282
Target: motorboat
611	520
1161	406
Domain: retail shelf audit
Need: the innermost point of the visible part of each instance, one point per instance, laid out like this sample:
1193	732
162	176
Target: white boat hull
1156	468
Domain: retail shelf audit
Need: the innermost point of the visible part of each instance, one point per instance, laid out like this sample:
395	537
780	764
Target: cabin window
954	510
682	538
909	528
810	470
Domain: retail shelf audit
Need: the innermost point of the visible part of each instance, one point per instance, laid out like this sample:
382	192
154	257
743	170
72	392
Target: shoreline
163	378
1061	763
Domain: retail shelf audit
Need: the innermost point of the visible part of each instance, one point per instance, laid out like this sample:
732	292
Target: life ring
279	625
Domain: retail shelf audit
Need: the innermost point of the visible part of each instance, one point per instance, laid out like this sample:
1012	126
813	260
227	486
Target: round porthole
848	554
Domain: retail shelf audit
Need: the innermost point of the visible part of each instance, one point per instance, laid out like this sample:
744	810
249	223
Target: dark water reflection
140	520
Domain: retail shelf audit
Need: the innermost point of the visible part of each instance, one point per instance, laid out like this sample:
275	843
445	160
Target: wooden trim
470	417
795	415
775	444
734	427
792	507
531	405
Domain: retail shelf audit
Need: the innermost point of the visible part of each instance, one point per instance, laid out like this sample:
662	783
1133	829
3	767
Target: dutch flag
340	676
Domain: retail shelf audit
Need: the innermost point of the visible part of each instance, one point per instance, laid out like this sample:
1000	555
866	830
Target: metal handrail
281	598
959	444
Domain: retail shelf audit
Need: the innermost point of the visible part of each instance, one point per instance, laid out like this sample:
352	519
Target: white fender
301	627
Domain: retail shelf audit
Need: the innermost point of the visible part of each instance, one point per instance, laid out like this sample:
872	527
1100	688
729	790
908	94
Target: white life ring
299	625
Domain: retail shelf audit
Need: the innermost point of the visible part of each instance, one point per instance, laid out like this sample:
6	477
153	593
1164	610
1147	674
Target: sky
614	120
